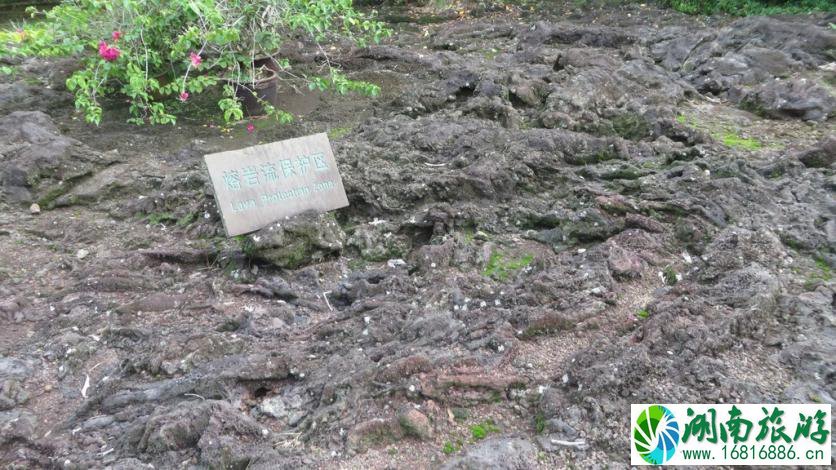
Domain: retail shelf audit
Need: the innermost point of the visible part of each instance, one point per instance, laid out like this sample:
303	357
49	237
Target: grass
733	140
500	268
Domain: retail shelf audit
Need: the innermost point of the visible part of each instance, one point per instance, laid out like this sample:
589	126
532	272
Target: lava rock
499	453
823	155
299	241
39	162
415	423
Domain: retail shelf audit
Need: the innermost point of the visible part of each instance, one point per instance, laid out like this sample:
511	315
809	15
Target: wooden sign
256	186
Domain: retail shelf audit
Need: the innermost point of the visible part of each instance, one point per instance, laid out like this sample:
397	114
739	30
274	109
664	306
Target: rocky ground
555	212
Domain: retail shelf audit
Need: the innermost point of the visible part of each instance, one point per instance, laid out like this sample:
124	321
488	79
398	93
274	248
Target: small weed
540	423
338	132
358	264
643	313
732	140
669	276
246	244
468	234
631	126
826	273
187	219
481	431
680	118
810	284
460	414
491	53
449	447
499	268
156	218
478	432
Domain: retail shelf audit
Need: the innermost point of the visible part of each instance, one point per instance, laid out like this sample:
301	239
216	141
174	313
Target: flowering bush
158	52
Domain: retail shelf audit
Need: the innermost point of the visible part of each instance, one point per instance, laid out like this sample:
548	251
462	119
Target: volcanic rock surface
553	214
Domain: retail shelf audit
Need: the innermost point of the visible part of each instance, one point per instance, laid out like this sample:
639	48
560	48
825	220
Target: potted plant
156	53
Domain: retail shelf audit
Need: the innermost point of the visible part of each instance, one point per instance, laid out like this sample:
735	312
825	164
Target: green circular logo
656	434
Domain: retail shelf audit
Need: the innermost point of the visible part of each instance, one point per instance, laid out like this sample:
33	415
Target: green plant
481	431
460	414
539	423
449	448
499	268
157	54
187	219
825	273
643	313
669	276
630	126
338	132
246	244
156	218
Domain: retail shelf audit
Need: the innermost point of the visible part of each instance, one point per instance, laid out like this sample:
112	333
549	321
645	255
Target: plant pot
264	89
251	95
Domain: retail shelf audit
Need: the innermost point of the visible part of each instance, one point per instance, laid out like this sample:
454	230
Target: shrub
158	52
750	7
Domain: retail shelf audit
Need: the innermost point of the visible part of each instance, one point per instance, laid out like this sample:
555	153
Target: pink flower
195	58
108	53
116	35
250	128
184	96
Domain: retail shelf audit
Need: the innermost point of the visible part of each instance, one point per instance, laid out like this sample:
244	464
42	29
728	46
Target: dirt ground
555	211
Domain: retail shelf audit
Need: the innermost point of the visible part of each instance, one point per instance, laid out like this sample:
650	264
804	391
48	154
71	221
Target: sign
256	186
730	434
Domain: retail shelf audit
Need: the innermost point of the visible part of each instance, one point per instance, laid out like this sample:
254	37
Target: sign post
259	185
